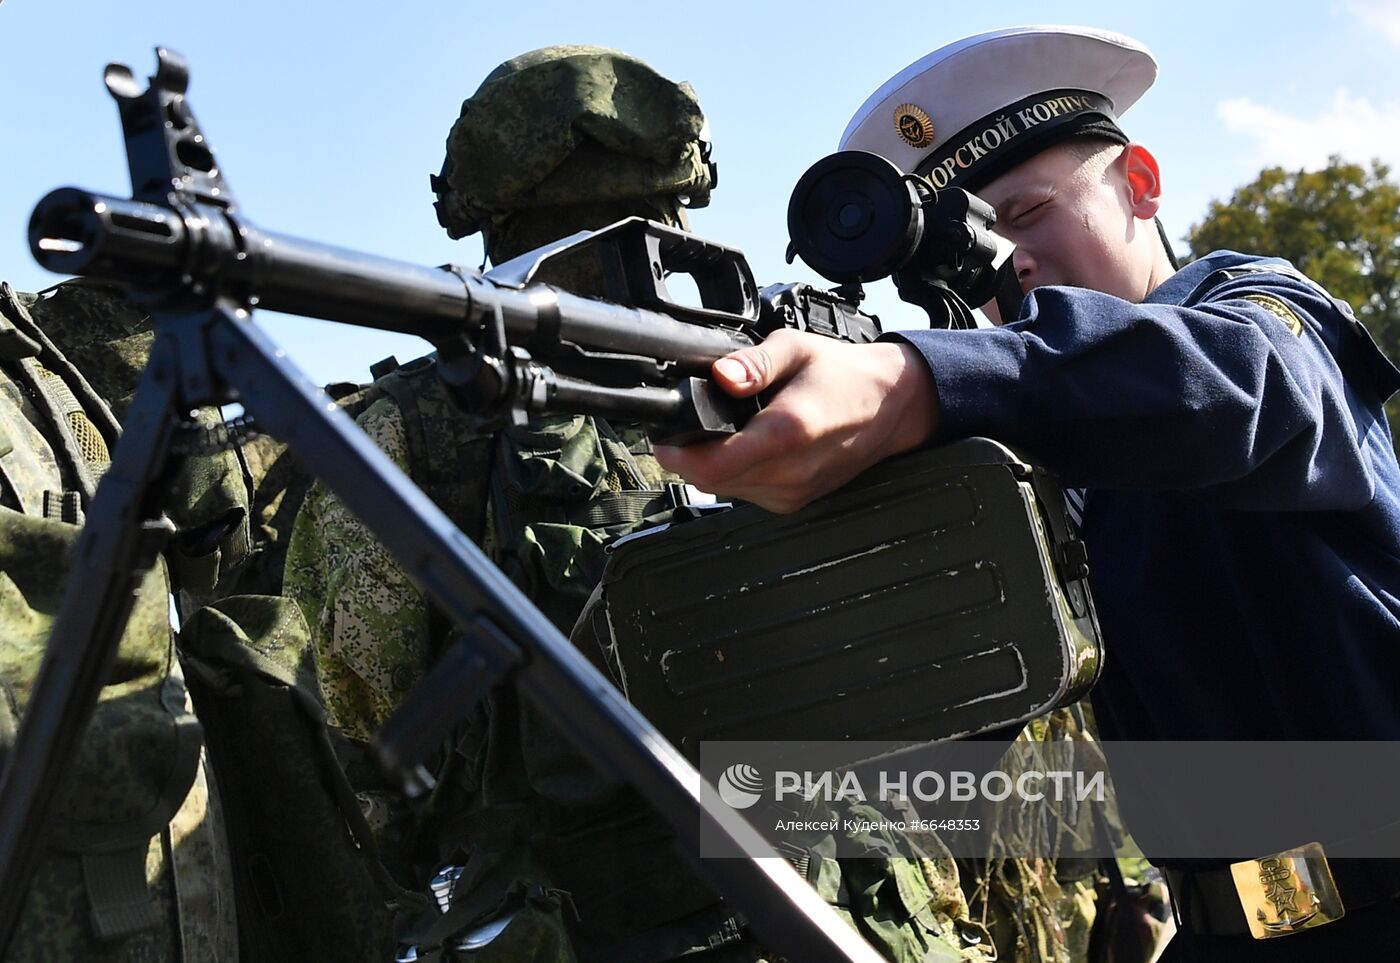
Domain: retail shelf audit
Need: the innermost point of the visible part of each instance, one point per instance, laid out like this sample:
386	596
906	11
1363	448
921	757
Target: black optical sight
855	217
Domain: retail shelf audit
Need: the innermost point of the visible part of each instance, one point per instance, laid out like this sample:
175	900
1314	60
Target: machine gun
508	347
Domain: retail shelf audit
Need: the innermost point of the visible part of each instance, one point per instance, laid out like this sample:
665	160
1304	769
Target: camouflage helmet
572	125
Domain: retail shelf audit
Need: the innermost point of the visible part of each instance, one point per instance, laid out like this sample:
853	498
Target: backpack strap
448	460
114	857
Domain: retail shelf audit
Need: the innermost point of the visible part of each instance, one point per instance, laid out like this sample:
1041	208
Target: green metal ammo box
939	595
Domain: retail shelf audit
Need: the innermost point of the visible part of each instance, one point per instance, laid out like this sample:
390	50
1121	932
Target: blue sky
327	118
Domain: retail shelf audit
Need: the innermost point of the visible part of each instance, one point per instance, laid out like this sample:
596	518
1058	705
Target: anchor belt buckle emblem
1288	892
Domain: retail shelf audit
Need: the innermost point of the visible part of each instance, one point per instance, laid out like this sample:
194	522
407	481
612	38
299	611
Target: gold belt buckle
1288	892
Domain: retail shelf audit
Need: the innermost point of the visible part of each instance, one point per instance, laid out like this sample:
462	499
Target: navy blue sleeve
1222	394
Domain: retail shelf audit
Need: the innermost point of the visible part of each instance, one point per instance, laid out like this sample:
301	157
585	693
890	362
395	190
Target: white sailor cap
968	112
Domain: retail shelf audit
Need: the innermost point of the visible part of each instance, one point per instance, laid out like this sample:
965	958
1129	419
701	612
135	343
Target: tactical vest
137	865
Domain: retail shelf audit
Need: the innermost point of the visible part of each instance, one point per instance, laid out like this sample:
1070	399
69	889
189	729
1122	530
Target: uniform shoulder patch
1278	309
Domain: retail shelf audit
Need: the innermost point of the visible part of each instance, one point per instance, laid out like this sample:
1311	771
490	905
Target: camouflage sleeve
369	623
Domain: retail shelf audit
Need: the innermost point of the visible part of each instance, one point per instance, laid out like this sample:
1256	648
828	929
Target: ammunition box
939	595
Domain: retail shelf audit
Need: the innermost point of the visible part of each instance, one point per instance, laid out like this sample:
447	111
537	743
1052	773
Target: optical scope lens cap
854	217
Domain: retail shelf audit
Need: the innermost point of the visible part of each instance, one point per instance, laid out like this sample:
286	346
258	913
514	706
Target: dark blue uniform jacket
1243	512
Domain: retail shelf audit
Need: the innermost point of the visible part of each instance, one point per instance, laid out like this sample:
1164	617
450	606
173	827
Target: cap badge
913	125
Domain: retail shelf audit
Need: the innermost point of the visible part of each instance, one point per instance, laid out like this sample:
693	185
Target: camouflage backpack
307	872
137	864
248	665
308	878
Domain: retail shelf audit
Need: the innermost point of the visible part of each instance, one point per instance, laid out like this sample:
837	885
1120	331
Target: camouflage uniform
277	830
1042	909
137	868
555	141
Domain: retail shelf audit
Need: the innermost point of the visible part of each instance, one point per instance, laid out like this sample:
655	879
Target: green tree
1339	225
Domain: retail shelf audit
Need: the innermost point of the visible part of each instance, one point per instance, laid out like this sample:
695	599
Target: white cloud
1382	16
1353	127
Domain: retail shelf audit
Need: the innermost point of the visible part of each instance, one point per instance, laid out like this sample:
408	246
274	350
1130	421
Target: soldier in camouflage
551	859
1040	909
137	867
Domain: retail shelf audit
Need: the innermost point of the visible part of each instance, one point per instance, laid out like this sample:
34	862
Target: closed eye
1023	215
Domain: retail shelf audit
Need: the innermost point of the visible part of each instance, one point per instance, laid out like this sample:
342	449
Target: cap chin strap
1167	244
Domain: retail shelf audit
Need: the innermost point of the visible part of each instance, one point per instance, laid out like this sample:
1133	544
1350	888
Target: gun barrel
200	248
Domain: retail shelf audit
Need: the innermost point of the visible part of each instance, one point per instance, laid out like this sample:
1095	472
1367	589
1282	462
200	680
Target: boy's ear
1144	181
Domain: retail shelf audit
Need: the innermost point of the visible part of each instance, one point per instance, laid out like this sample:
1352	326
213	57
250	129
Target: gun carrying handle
639	255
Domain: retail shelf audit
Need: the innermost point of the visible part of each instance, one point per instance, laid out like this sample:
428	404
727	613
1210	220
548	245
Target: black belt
1207	902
